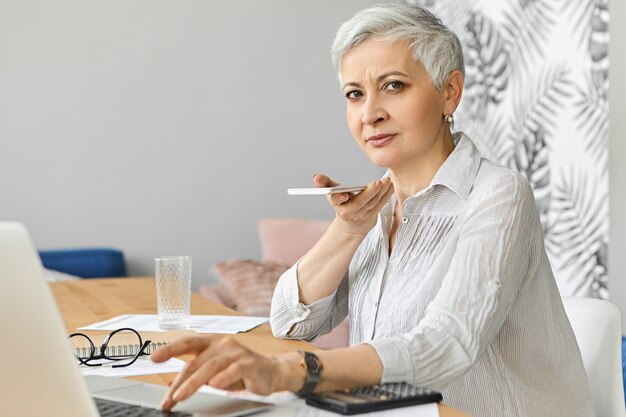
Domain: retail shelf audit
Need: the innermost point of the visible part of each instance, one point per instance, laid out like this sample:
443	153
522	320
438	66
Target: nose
373	112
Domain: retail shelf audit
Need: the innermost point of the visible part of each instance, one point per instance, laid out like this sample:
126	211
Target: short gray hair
432	43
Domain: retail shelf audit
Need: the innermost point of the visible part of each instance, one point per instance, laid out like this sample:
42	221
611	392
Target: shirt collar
457	173
459	169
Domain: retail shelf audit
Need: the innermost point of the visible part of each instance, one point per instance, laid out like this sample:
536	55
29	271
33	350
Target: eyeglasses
114	348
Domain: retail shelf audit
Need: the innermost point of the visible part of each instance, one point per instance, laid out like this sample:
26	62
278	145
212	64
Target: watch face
312	363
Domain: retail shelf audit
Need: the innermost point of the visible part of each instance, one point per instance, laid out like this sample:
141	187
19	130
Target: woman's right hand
357	214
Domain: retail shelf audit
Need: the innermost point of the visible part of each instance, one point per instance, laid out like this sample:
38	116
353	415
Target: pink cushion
218	293
251	284
248	286
287	240
336	338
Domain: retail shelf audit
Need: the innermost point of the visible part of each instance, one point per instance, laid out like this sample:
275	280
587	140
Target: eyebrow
378	79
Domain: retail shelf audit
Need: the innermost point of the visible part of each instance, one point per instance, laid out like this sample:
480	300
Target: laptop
38	372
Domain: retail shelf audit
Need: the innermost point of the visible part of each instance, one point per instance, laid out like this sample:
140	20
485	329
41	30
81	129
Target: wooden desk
87	301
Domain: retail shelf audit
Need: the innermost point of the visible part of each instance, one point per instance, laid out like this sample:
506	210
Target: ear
452	91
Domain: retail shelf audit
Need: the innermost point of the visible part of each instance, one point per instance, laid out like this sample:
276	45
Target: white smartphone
327	190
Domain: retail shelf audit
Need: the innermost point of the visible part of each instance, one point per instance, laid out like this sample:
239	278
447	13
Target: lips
381	139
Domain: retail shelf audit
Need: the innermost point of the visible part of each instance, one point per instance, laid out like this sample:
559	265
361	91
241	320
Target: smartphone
327	190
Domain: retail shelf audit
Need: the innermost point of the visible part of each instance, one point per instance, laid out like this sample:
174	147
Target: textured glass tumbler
173	285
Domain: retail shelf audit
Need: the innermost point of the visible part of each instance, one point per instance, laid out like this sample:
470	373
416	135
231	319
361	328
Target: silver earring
449	118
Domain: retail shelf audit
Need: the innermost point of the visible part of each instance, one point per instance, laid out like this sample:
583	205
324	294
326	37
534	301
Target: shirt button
405	220
302	311
495	283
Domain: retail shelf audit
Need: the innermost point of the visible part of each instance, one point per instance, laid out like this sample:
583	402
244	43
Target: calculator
373	398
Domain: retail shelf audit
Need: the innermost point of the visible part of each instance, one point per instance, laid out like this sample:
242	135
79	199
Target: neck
418	173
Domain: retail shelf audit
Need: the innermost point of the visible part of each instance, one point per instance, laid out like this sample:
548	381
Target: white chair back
597	325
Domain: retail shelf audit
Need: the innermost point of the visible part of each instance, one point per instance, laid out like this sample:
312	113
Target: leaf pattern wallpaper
536	101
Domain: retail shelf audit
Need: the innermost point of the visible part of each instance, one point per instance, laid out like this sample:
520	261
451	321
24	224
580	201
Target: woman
440	264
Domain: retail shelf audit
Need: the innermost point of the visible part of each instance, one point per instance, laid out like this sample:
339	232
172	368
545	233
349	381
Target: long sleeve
488	268
311	320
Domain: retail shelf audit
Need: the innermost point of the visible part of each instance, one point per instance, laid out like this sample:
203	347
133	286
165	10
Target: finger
358	201
251	372
386	185
383	200
169	399
340	198
371	207
188	370
167	403
190	344
203	374
321	180
183	345
237	386
221	352
231	375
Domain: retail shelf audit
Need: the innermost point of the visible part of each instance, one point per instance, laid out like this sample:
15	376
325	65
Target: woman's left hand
222	363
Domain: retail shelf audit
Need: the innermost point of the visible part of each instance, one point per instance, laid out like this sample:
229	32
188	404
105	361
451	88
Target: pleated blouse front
466	303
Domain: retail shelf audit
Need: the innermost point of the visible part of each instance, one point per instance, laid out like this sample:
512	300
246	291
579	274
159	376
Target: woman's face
393	109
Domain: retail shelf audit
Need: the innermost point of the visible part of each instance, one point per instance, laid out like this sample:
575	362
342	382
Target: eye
394	85
354	94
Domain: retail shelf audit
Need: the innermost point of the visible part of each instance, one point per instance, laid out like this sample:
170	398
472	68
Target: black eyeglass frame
105	344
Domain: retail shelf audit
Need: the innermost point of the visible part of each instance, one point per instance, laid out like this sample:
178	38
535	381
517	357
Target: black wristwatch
313	367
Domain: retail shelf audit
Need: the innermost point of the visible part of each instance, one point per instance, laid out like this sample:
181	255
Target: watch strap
313	367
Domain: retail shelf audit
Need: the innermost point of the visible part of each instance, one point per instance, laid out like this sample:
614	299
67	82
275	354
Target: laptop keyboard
108	408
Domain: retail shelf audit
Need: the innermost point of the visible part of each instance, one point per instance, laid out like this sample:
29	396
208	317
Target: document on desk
286	404
199	324
143	366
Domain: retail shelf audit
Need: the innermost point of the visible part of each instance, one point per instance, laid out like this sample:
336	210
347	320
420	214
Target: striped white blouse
466	303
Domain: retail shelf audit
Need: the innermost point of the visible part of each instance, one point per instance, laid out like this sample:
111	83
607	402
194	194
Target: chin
382	157
381	162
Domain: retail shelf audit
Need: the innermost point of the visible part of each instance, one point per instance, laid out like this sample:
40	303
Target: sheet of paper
281	397
424	410
143	366
289	405
199	324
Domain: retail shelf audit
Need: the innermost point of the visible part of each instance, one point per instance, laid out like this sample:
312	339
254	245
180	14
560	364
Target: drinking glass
173	285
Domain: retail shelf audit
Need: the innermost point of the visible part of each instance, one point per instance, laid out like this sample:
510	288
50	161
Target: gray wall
169	127
617	153
165	127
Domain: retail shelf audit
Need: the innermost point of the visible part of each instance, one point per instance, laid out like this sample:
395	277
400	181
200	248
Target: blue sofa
85	263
